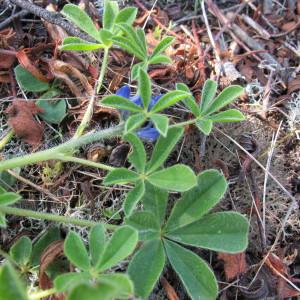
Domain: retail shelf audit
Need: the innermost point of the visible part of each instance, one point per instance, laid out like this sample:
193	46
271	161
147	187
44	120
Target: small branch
89	111
85	162
35	186
53	18
51	217
65	148
7	21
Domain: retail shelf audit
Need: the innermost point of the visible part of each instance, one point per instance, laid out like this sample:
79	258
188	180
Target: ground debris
21	118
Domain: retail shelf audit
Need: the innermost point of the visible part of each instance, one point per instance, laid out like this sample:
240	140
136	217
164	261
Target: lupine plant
148	237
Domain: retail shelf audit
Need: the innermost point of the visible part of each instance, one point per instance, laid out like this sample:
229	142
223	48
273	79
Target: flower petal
154	99
148	133
136	100
124	91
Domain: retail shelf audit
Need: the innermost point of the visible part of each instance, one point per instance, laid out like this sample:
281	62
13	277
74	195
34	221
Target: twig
258	28
200	63
7	21
211	38
245	38
35	186
140	5
53	18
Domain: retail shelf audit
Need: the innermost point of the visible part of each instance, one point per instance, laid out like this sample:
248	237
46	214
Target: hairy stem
42	294
63	150
51	217
89	111
85	162
6	139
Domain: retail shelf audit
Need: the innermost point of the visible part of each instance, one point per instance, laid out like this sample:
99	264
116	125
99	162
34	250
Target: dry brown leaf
171	294
6	61
234	264
55	32
294	85
53	251
64	71
26	63
21	118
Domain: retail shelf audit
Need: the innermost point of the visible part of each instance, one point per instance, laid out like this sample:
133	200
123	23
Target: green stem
6	139
41	294
103	69
89	111
67	148
84	162
188	122
51	217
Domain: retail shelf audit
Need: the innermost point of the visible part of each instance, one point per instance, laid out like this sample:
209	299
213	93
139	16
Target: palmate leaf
120	103
103	291
195	274
142	40
163	148
11	286
137	157
120	176
133	122
178	178
146	266
208	93
189	102
169	99
67	281
21	250
111	10
162	46
121	245
76	252
205	126
144	84
146	224
123	285
126	15
96	243
155	200
223	232
9	198
227	96
135	40
230	115
128	46
161	123
160	59
2	220
106	37
80	18
133	197
211	186
77	44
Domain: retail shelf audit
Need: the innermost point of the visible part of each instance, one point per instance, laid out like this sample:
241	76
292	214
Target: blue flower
148	132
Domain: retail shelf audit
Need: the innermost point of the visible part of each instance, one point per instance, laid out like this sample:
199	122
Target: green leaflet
121	244
178	178
76	252
223	232
146	266
211	186
197	277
